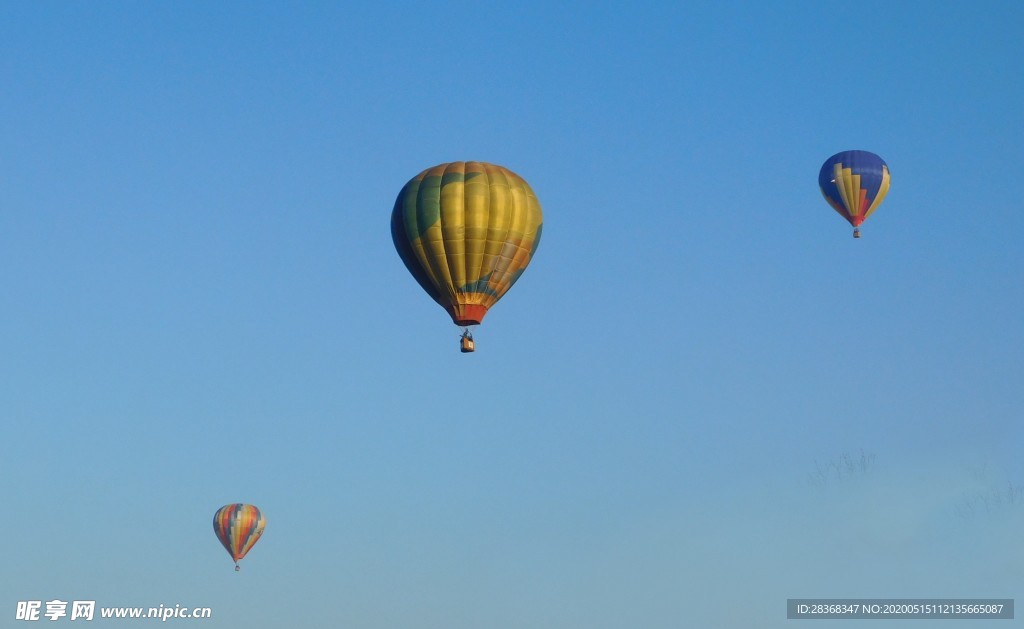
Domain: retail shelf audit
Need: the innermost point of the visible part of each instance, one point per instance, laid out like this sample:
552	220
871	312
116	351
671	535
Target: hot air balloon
854	184
238	526
466	231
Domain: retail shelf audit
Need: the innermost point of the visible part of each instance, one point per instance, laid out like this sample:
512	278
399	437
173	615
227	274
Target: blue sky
202	305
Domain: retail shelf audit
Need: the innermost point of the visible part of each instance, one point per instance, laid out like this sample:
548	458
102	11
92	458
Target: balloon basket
856	233
466	343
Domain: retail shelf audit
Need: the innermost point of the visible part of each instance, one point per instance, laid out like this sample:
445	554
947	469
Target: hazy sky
703	397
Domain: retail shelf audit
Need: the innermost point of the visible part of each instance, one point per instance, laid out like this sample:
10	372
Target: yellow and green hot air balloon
466	231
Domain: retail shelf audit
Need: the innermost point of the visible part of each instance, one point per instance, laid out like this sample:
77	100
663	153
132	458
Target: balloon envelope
466	231
238	527
854	184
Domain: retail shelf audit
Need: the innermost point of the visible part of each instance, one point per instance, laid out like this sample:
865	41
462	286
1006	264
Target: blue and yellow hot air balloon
854	184
466	231
238	527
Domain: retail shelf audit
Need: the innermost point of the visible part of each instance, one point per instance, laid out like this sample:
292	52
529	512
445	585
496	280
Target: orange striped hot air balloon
238	527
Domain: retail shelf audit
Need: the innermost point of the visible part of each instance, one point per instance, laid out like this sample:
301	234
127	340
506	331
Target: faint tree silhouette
841	469
990	500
